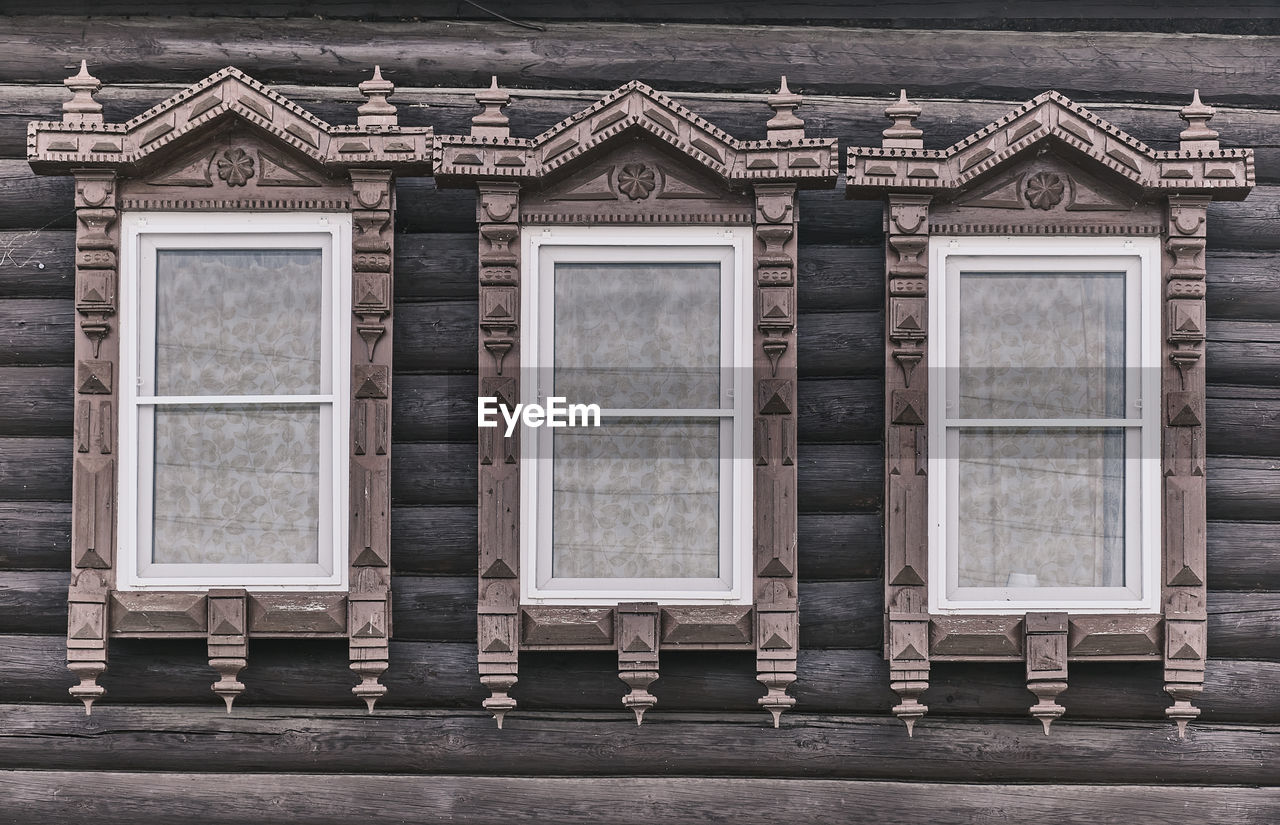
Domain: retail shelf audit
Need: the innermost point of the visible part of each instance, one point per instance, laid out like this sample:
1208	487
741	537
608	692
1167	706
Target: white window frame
542	248
1139	258
143	234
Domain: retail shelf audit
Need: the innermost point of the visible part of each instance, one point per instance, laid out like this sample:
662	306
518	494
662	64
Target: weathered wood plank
442	675
35	535
416	742
1077	15
128	798
832	614
1242	555
676	56
35	469
36	332
36	401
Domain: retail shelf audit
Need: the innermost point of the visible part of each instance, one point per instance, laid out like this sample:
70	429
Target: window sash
1139	260
144	235
730	249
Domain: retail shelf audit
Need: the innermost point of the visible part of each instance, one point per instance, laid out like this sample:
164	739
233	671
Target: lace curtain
236	482
638	497
1040	506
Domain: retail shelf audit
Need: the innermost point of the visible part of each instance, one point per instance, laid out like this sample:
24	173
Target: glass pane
238	321
237	485
643	336
1040	507
637	499
1042	345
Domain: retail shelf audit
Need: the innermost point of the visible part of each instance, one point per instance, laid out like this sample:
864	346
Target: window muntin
1045	495
654	326
234	400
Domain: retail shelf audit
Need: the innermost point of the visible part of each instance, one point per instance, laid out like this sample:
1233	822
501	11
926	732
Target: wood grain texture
440	675
35	535
415	742
677	56
832	614
315	799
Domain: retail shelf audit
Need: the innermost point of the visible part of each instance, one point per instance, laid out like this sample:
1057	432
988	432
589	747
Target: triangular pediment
1050	122
633	111
227	97
1046	181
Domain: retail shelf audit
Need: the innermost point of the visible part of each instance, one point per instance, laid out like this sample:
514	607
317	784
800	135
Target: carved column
906	452
369	592
498	213
97	350
777	629
1184	456
1045	646
228	641
637	635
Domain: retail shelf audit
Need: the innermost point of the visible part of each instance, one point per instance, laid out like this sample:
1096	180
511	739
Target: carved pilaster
1045	647
498	215
228	641
906	450
777	641
369	553
1184	588
637	637
97	350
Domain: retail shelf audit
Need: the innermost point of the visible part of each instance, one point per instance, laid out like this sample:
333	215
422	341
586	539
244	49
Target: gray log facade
159	745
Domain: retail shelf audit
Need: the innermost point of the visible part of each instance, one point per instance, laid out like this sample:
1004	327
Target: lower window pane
236	485
1040	507
637	499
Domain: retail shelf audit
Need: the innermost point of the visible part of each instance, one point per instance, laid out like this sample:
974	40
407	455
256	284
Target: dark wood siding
159	744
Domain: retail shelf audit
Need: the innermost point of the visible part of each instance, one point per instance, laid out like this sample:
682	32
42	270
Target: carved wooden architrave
638	157
1049	167
229	143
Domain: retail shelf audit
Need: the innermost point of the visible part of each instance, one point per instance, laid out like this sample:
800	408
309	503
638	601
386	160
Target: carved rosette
1184	588
369	597
93	492
777	626
906	453
498	215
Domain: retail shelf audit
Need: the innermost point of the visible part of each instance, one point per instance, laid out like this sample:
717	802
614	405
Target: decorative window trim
230	144
700	175
602	244
1098	181
1141	257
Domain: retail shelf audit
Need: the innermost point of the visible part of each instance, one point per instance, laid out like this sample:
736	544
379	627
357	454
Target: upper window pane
638	336
239	322
1041	345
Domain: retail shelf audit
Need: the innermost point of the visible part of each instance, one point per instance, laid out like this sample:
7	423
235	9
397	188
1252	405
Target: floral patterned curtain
638	497
1040	506
237	482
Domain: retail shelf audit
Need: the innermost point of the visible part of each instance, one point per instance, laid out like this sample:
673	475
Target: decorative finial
903	134
784	125
1197	135
82	108
376	111
491	122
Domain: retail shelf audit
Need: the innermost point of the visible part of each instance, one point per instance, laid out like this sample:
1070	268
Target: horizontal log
35	535
36	401
1041	15
836	60
37	332
134	797
443	675
832	614
1242	555
416	742
35	469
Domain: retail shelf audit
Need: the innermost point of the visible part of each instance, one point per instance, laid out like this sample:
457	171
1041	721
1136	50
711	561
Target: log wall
159	745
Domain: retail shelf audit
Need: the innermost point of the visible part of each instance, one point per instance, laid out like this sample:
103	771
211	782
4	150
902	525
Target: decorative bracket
637	636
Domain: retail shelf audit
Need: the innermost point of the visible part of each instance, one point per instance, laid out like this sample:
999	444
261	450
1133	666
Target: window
636	257
1045	494
232	466
653	326
233	399
1045	483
